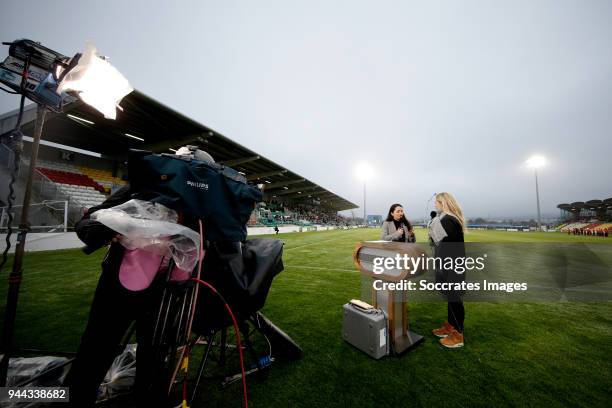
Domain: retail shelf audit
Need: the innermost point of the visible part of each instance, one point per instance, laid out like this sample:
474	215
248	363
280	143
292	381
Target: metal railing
47	216
44	192
48	191
6	157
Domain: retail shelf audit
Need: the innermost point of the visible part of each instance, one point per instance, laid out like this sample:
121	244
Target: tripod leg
159	315
202	366
174	336
179	334
249	345
165	322
180	346
223	346
161	347
127	338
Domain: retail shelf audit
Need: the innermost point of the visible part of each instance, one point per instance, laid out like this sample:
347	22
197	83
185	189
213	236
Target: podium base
407	342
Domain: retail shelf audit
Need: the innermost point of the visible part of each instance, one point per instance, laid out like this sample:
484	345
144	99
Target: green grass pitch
516	354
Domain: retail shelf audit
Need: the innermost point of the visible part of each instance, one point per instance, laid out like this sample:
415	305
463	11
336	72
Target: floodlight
363	171
536	161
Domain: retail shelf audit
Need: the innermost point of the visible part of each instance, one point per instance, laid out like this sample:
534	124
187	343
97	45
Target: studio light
96	81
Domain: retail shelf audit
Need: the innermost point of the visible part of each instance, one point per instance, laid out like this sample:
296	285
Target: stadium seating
603	227
561	226
87	196
64	177
574	225
592	226
73	183
273	214
102	177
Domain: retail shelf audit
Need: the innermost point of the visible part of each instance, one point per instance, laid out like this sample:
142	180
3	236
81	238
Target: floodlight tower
364	172
537	162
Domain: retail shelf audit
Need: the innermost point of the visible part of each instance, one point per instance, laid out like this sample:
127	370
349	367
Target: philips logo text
198	184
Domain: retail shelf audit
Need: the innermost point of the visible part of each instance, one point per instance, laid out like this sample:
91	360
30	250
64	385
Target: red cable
239	345
201	260
195	297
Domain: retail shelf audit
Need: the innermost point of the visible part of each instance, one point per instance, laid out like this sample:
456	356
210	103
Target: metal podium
392	301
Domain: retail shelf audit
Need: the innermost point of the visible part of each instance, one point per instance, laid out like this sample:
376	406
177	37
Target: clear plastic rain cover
152	227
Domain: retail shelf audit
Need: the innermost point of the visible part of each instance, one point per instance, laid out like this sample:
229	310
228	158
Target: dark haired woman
396	227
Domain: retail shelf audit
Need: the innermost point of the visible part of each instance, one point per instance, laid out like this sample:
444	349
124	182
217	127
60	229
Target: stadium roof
595	205
147	124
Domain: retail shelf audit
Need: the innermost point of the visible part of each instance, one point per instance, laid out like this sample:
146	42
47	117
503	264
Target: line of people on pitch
590	232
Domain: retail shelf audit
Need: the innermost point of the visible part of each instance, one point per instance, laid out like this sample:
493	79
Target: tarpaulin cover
120	377
216	194
242	273
24	368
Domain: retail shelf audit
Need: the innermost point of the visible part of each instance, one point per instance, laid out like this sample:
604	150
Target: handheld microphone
428	203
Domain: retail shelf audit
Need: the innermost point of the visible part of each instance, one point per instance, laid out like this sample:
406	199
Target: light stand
537	162
365	221
97	83
538	200
364	172
15	277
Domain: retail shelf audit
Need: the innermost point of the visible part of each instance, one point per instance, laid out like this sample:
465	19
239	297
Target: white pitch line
321	268
314	243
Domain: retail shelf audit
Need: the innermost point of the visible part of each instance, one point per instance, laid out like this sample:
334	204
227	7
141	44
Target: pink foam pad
138	269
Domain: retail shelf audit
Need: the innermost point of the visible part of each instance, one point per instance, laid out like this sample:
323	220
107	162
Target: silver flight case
366	329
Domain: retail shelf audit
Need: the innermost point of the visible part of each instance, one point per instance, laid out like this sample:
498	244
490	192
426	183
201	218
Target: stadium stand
81	149
593	225
273	213
86	186
103	177
593	217
574	225
77	186
606	227
595	210
587	228
71	182
65	177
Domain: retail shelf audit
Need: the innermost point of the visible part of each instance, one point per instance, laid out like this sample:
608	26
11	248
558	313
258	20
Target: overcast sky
435	96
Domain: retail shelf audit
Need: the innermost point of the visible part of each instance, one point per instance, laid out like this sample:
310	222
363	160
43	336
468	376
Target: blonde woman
446	231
